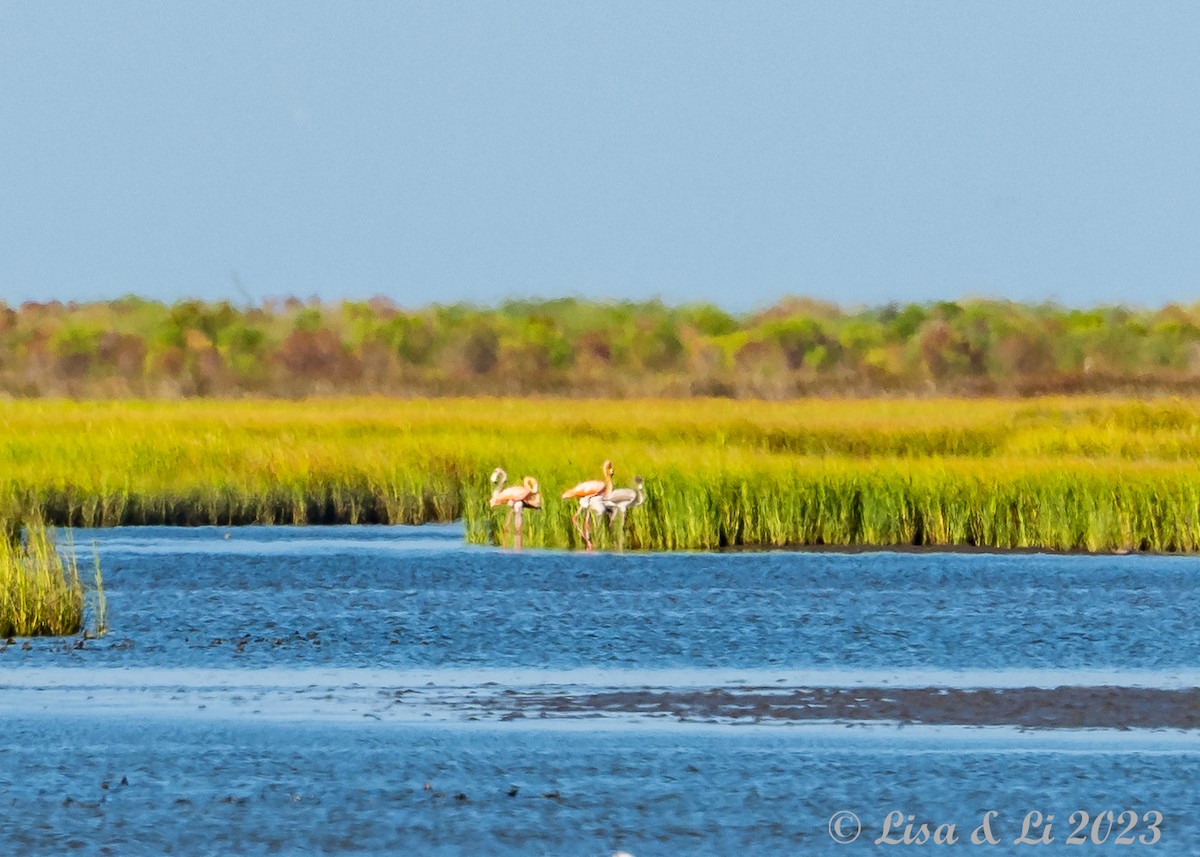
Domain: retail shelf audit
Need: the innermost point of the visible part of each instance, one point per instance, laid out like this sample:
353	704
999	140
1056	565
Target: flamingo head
499	477
534	500
608	468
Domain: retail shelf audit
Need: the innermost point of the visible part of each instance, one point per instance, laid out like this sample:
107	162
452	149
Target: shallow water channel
278	690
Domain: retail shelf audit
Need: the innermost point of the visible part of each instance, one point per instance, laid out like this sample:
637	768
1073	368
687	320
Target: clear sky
734	152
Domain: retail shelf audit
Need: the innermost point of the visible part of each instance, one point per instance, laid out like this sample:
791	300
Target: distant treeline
288	348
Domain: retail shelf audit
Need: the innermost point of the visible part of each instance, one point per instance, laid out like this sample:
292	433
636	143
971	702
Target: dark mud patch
1035	708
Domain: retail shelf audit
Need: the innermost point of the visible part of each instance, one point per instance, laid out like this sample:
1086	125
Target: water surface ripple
369	690
417	597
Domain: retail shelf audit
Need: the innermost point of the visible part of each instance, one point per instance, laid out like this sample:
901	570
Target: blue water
371	690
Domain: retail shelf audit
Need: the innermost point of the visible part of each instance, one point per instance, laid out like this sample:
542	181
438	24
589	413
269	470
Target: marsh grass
1071	474
41	593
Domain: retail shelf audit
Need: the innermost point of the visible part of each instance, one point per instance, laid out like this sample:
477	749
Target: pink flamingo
591	496
517	498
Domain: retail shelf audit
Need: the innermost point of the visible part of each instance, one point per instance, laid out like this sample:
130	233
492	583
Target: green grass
41	593
1089	473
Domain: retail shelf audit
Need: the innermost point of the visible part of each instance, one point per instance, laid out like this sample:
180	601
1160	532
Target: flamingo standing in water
621	500
517	498
591	495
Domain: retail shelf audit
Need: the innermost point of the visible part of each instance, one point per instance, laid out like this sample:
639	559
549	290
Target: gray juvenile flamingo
591	496
621	500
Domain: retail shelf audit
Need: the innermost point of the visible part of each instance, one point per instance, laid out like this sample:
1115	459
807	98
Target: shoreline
849	548
952	549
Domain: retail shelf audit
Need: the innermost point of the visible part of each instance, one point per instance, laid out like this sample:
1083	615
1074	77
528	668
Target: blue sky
851	151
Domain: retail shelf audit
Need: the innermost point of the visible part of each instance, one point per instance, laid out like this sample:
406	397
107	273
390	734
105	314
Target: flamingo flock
597	499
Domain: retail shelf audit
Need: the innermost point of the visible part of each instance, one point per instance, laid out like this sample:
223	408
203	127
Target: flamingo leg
517	537
587	527
504	529
584	530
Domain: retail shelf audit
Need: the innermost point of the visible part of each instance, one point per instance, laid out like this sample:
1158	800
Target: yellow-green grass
1061	473
40	590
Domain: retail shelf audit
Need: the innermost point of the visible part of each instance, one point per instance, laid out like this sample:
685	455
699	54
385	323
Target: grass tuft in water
41	593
